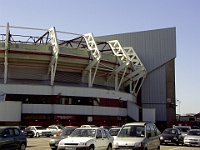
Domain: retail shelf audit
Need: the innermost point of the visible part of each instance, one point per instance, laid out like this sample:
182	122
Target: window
148	130
9	132
17	132
105	134
153	131
99	135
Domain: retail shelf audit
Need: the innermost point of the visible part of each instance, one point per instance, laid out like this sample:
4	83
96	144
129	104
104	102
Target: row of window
66	100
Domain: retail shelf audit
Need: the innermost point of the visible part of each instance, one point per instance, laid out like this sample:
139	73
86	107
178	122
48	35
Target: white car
39	131
192	138
54	128
87	138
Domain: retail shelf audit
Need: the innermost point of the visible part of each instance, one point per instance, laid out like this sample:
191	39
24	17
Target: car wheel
91	148
109	147
22	146
37	134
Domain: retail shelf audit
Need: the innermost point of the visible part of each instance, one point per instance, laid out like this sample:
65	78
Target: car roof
194	129
115	128
181	126
90	128
87	126
173	128
71	127
3	127
139	123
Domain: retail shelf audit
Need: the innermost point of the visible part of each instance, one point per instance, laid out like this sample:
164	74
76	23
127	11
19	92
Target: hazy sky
105	17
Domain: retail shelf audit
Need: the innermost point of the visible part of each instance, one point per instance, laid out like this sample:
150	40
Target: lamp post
179	105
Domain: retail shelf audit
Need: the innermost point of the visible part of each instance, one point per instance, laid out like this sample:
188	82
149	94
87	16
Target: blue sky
105	17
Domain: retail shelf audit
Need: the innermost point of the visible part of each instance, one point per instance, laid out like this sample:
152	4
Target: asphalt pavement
42	143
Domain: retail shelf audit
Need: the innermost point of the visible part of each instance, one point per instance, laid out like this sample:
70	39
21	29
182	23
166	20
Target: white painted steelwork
139	71
123	61
95	56
6	54
54	58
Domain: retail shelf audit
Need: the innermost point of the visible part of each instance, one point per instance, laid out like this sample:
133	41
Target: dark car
183	129
12	138
66	131
28	133
171	136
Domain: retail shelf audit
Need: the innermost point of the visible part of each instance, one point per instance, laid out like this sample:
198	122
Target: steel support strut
95	57
123	61
138	75
6	53
54	58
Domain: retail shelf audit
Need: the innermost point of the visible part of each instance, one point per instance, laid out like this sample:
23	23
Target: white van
137	135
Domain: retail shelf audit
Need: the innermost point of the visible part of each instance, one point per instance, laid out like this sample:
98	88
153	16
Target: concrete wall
10	111
72	109
65	91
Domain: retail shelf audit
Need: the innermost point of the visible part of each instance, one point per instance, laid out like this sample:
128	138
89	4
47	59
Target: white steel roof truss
123	61
6	54
138	73
95	55
54	58
134	90
117	86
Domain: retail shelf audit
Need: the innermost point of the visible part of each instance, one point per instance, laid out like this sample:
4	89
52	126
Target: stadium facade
107	80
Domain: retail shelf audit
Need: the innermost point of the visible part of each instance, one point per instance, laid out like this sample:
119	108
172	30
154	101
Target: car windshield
132	131
67	131
184	129
194	132
40	128
170	131
60	127
83	133
113	132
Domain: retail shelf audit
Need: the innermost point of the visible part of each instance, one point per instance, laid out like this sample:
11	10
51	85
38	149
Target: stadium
56	77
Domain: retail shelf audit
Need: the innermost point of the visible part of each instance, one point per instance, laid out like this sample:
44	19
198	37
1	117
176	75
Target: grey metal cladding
154	92
160	111
154	87
154	47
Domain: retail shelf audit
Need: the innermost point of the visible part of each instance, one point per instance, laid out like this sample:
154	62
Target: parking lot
43	144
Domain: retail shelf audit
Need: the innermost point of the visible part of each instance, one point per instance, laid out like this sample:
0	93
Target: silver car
192	138
137	135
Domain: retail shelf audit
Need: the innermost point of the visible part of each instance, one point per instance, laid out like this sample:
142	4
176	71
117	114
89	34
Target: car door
17	138
106	139
156	138
180	136
99	140
148	136
8	141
